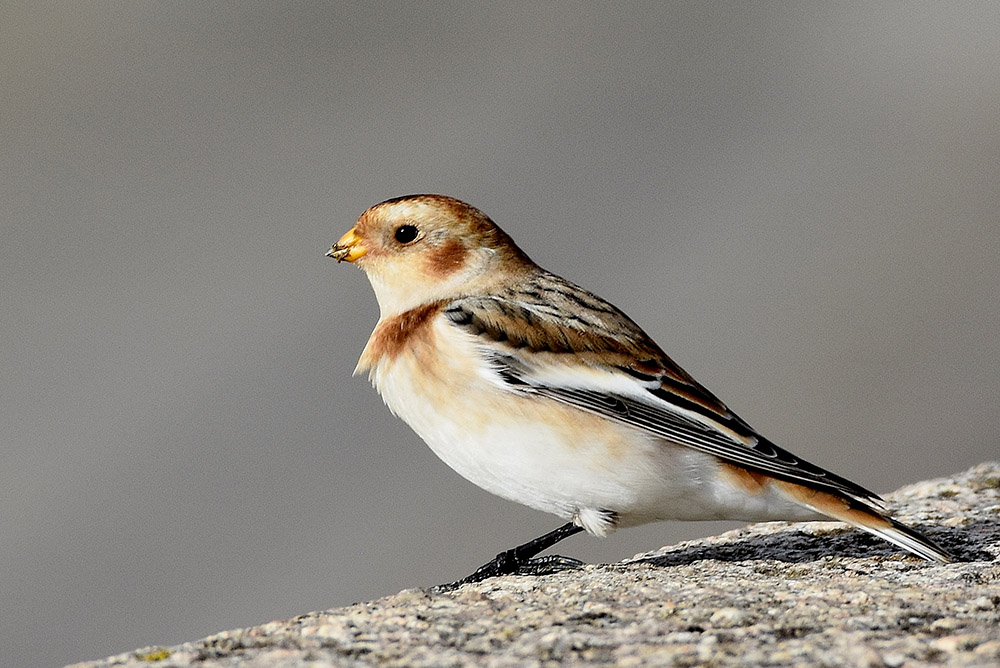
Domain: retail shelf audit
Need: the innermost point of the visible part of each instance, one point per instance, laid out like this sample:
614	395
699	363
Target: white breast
543	454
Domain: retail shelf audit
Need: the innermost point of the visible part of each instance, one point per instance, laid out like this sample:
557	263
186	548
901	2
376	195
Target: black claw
552	563
522	561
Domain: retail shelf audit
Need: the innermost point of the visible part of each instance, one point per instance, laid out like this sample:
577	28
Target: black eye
406	233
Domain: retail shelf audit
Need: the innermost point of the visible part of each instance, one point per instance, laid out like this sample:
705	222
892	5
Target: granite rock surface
775	594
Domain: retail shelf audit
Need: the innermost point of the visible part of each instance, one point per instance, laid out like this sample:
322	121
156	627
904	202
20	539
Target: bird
541	392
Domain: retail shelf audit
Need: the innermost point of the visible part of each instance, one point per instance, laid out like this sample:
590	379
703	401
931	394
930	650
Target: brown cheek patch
447	258
748	481
834	506
392	336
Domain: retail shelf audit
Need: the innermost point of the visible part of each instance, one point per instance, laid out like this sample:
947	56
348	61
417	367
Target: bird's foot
508	563
522	560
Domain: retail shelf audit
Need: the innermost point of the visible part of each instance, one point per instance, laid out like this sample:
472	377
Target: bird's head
423	248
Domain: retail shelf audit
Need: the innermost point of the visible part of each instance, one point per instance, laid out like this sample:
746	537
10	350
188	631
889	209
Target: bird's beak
348	248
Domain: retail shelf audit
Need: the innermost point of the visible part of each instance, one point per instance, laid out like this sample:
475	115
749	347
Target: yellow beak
349	248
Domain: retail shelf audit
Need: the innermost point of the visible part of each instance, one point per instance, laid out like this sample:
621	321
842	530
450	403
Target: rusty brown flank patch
835	506
393	335
749	481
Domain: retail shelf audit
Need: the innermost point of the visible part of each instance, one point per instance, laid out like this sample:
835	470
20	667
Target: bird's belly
523	448
556	458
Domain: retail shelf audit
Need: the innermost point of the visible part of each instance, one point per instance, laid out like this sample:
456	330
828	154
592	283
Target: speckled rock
775	594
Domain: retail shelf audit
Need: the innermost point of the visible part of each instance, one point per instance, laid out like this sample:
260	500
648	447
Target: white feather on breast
544	454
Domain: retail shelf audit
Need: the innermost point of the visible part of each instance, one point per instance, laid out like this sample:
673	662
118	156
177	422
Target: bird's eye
406	233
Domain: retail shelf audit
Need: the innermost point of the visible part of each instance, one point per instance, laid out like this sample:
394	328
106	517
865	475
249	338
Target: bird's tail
867	518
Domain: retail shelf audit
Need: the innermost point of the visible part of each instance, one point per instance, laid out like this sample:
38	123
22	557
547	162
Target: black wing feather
545	317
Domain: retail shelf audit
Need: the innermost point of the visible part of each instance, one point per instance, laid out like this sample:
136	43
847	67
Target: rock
774	594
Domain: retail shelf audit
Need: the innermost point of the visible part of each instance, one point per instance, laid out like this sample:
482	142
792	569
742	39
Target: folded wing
552	339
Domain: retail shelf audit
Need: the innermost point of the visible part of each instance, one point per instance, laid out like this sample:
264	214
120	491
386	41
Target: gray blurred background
798	202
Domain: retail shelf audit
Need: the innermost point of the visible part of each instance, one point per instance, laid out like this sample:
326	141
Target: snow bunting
545	394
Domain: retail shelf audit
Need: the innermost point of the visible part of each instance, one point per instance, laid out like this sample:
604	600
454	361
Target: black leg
520	560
